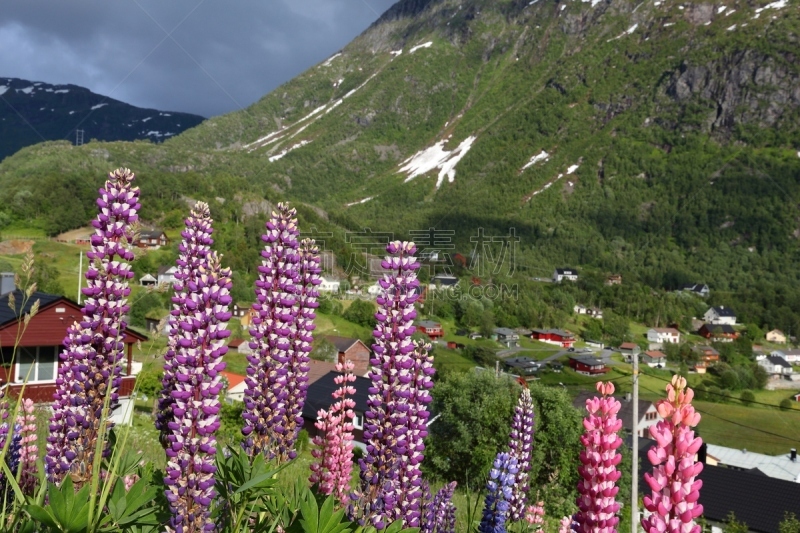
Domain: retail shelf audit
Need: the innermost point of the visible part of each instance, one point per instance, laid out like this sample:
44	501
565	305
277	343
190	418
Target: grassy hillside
670	130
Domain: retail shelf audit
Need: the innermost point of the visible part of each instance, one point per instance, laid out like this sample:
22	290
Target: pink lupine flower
534	515
28	450
565	526
673	503
597	506
334	452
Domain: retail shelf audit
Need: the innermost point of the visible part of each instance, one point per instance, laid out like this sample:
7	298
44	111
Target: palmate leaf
67	511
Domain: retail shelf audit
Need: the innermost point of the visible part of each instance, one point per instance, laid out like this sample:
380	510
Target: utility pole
497	369
635	434
80	277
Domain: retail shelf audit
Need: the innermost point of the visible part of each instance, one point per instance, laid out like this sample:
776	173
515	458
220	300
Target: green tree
361	312
149	381
734	526
142	306
786	404
482	355
45	274
747	397
324	350
789	524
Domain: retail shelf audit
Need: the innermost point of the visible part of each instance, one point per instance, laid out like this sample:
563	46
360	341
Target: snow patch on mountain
423	45
98	106
541	156
287	150
362	201
437	157
327	63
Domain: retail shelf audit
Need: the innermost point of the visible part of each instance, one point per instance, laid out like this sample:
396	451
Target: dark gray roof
724	311
319	394
507	332
521	362
566	271
757	500
719	328
428	324
151	234
587	360
7	314
625	411
445	280
775	360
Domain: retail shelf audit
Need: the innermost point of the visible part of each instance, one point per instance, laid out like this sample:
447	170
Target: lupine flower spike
521	447
534	516
265	395
597	506
566	524
197	365
194	251
396	422
334	452
28	451
439	515
673	504
91	364
498	493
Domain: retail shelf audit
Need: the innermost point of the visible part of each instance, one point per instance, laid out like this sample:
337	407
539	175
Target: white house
791	356
654	359
328	285
775	365
568	274
700	289
720	315
166	275
148	280
784	466
663	335
374	290
444	281
236	387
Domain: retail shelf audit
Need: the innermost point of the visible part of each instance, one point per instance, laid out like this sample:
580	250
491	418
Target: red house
354	350
559	337
719	332
587	365
41	343
430	328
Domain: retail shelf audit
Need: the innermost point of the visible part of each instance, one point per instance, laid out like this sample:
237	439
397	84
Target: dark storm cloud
200	56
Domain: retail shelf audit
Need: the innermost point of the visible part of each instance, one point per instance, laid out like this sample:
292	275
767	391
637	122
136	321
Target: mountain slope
655	139
37	111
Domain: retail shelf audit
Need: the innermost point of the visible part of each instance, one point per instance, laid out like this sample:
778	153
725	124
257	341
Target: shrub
747	397
786	404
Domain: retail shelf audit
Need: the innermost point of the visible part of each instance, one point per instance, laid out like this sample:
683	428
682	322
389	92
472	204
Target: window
37	363
358	421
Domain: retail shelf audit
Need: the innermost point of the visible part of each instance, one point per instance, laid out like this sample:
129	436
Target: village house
559	337
430	328
654	359
443	281
784	466
700	289
791	356
522	366
613	279
595	344
707	356
37	357
797	397
776	336
236	386
568	274
776	367
238	310
166	275
328	285
319	396
663	336
148	280
351	349
151	239
593	312
628	350
718	332
720	315
648	415
506	336
584	364
430	256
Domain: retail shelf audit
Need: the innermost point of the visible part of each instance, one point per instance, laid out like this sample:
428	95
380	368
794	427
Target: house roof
625	411
587	360
235	343
757	500
147	277
695	287
521	362
671	331
150	234
775	331
428	324
7	314
317	369
319	394
776	466
559	332
704	348
445	279
508	332
779	361
342	343
654	354
566	272
164	269
233	379
724	311
628	346
726	329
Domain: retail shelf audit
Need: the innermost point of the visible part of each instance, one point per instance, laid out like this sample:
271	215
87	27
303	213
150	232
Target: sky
207	57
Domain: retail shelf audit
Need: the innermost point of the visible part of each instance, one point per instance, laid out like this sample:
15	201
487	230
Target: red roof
235	343
233	379
628	346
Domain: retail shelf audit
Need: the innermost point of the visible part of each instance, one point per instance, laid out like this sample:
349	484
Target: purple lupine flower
439	515
91	364
597	506
194	251
498	493
277	371
521	447
394	423
197	365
